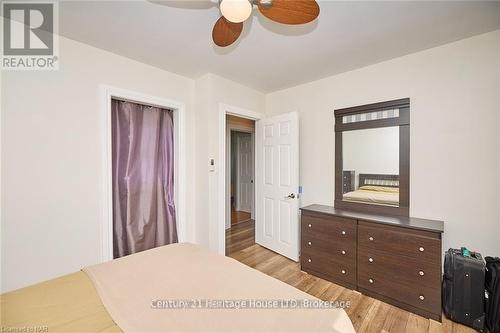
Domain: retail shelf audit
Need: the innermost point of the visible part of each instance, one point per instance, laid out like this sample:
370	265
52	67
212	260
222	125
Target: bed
143	293
377	189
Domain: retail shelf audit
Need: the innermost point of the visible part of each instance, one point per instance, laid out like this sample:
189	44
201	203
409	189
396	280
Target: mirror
370	166
372	158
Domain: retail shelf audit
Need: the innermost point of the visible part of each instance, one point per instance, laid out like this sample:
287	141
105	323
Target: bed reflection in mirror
370	159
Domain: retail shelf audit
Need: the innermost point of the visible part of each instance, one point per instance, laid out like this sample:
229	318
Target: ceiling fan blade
290	11
226	33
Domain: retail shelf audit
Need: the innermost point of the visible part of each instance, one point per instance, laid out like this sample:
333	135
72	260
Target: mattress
373	197
144	292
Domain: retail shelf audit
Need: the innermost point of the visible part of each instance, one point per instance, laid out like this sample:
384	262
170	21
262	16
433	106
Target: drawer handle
309	260
309	243
421	273
343	271
343	252
421	297
370	238
343	232
309	225
421	249
370	259
370	280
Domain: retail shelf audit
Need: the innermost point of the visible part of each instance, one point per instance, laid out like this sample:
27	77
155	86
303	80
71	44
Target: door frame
179	115
225	109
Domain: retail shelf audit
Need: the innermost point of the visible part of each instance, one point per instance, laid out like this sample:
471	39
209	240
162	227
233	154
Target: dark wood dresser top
402	221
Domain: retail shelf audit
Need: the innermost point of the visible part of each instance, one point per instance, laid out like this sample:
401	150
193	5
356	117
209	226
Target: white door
277	182
244	182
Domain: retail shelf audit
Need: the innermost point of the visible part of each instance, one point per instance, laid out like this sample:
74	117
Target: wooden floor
367	314
240	237
238	217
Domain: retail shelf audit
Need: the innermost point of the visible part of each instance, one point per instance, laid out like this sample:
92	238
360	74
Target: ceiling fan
228	27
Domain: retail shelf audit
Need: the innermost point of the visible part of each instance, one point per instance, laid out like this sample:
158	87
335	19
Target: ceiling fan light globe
236	11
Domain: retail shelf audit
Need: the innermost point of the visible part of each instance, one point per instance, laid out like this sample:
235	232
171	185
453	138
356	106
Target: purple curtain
143	178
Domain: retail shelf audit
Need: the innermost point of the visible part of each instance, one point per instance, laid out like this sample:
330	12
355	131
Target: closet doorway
144	187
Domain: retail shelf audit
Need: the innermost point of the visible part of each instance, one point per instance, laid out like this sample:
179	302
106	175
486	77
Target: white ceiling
270	56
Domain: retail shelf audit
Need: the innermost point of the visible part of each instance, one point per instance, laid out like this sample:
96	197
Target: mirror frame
403	121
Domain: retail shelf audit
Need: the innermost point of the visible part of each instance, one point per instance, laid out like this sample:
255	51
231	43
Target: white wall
455	141
52	143
211	91
373	150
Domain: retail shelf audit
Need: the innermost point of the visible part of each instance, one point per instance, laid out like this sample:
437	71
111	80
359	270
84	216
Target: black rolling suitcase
463	288
493	291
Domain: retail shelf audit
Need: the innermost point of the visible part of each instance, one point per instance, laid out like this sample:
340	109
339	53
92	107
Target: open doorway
240	185
242	176
276	184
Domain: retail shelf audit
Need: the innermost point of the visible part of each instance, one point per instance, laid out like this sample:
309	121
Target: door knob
290	196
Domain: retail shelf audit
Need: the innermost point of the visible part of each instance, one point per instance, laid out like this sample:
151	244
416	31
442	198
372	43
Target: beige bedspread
373	197
66	304
130	288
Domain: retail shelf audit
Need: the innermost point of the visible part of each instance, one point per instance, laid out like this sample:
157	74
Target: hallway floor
239	216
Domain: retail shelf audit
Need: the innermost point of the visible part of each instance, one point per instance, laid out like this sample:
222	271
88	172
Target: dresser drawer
417	295
404	270
421	245
328	267
340	252
331	228
334	245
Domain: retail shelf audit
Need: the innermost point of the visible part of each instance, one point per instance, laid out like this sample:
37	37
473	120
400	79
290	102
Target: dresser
391	258
348	181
